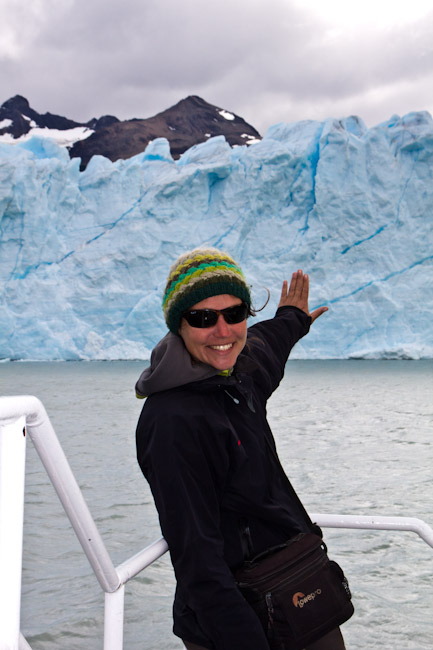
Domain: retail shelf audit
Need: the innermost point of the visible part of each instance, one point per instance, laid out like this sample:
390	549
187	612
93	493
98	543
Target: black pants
332	641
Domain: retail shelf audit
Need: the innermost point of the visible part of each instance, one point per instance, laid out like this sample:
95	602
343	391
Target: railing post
113	619
12	477
43	436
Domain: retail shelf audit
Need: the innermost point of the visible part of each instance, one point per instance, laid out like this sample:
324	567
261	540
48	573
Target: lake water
354	436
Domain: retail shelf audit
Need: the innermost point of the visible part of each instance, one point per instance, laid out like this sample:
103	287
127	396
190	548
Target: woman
203	437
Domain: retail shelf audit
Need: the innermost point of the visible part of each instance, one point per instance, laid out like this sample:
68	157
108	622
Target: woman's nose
221	327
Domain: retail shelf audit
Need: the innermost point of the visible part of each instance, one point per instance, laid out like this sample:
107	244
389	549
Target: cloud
267	61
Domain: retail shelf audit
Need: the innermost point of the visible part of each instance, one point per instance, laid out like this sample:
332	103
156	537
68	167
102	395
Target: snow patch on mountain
64	138
226	115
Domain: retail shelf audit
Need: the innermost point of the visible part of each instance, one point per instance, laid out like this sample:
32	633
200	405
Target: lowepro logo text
300	599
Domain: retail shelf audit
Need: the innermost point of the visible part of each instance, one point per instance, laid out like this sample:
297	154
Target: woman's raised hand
296	294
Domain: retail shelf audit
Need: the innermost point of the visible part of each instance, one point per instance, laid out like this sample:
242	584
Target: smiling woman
204	445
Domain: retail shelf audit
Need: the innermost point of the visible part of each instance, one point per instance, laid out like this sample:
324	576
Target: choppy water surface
354	436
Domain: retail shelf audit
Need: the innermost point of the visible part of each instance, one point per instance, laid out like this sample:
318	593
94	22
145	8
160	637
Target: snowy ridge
64	138
84	255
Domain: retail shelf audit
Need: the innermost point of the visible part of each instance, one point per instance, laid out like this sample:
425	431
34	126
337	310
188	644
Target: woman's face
218	346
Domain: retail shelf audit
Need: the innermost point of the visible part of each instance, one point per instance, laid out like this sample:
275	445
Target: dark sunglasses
209	317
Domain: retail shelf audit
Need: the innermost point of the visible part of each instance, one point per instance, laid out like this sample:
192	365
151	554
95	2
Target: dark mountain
189	122
23	118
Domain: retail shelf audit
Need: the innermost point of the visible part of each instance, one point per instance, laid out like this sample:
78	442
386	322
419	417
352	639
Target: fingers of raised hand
284	291
299	285
318	312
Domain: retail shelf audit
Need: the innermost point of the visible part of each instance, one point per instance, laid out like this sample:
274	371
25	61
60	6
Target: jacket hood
171	365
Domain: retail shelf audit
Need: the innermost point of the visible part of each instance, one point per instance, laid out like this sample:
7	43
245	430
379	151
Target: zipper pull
270	607
235	399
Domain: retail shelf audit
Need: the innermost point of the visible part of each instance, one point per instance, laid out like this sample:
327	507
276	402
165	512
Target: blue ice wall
84	255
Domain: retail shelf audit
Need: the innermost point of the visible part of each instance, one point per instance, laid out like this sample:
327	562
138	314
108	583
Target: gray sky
268	61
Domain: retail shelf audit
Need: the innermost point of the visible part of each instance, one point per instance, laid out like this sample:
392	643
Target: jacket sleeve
186	464
271	341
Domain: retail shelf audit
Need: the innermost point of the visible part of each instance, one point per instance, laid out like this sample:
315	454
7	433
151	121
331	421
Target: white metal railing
26	414
12	473
374	522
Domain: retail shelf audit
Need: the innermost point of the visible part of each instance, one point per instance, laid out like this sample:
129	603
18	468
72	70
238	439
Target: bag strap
243	525
314	527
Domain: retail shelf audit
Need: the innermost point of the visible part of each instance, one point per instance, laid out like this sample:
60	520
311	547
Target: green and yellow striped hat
199	274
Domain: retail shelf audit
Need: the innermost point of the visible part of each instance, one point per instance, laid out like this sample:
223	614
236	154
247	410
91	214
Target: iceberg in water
84	255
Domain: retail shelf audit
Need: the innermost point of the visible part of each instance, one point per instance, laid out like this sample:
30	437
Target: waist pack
297	592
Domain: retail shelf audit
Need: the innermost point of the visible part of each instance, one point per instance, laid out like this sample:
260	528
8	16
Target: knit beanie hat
199	274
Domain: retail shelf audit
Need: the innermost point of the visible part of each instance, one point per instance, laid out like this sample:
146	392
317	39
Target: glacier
84	255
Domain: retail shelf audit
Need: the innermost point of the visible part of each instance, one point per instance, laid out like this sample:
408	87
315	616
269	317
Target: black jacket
202	447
